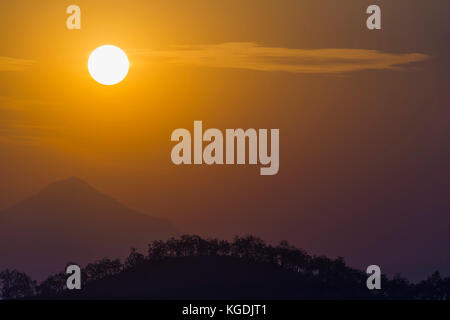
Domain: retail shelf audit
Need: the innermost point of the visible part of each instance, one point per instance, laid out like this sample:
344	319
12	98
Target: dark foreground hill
212	278
69	220
246	268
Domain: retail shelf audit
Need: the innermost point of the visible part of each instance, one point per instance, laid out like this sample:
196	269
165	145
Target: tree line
320	270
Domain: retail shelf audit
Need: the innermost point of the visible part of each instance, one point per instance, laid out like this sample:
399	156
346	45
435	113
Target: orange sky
362	116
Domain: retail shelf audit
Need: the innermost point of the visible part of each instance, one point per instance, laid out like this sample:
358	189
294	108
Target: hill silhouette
70	220
247	268
210	277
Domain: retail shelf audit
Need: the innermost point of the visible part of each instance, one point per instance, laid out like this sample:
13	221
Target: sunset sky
363	117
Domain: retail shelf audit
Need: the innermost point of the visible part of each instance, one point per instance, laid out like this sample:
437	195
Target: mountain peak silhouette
68	183
69	220
72	190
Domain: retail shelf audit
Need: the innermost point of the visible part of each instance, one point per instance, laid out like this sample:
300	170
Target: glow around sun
108	65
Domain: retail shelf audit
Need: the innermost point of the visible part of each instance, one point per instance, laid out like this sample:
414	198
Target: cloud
26	133
13	64
251	56
14	103
15	129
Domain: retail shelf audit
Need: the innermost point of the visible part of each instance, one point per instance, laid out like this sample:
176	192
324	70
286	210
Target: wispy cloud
251	56
13	64
26	133
20	103
16	128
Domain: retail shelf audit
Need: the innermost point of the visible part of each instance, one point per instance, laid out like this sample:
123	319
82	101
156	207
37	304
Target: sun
108	65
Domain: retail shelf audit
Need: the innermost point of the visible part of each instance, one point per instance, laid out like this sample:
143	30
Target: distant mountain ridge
69	220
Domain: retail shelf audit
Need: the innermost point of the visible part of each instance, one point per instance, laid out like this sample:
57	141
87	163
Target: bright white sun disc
108	65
